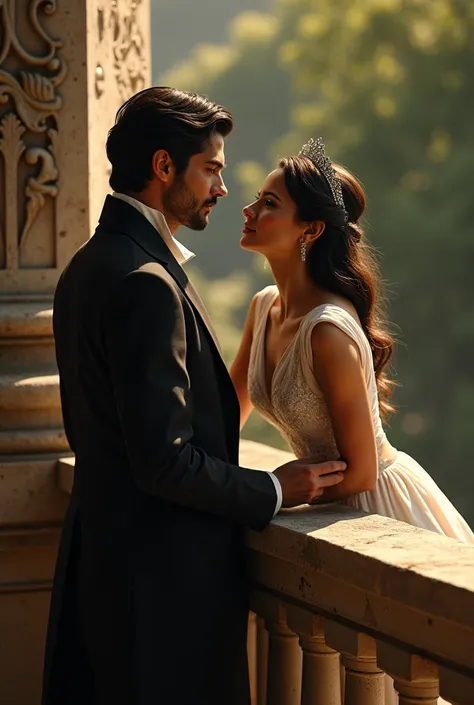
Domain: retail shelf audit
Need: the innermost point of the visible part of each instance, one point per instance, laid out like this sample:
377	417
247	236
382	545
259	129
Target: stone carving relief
29	125
118	20
130	63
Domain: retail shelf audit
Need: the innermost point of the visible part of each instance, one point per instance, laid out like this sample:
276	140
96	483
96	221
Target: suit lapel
226	387
179	275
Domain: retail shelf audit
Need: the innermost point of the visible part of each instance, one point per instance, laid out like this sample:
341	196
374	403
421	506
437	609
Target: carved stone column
257	649
415	678
284	664
321	682
364	682
252	656
262	662
65	67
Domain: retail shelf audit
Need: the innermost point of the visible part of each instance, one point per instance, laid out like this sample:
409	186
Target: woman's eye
266	201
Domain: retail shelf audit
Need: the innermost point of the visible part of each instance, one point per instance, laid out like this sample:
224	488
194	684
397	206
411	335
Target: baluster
417	693
321	679
415	678
262	662
364	684
284	665
284	653
252	657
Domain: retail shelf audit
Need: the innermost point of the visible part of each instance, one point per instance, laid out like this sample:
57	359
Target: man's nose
219	188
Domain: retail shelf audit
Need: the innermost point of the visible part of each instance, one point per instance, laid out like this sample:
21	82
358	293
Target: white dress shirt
182	255
158	220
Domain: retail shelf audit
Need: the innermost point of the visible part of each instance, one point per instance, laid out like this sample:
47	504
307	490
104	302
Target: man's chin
198	223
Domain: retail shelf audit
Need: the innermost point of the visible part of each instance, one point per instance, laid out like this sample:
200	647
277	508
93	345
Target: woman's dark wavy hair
160	118
341	260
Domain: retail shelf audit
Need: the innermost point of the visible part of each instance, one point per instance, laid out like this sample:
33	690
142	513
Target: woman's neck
298	293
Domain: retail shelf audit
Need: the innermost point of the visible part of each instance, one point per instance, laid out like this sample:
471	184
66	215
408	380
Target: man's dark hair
160	118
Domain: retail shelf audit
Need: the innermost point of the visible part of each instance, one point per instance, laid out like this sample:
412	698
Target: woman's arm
339	374
240	367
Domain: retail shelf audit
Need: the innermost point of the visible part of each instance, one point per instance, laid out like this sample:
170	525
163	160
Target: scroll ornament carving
33	93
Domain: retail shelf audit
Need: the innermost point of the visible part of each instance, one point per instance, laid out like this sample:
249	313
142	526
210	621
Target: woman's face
271	225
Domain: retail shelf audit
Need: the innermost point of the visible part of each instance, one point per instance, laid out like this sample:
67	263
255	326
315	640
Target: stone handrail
342	598
387	596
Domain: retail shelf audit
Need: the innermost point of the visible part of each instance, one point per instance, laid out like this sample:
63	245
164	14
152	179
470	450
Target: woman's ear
314	230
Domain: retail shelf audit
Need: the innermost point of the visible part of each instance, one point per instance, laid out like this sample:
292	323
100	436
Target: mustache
211	201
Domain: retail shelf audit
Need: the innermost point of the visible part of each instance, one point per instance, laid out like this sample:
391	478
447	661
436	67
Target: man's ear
314	230
162	165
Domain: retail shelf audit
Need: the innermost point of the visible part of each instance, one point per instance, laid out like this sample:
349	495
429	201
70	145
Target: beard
180	204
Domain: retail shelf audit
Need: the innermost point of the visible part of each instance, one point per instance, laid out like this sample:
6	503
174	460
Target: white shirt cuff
278	491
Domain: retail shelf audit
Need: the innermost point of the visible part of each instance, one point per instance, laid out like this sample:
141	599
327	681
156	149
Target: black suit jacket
149	601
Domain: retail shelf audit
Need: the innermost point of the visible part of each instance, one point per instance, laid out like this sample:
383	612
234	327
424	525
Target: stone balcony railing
342	598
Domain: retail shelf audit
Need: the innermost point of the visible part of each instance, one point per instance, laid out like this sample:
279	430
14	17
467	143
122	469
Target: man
149	603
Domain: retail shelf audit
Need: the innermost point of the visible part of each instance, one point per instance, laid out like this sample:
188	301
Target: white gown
404	490
296	407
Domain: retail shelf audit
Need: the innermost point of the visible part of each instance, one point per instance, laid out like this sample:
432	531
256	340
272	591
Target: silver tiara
314	150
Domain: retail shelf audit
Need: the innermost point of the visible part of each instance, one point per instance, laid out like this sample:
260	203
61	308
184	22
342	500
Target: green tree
207	19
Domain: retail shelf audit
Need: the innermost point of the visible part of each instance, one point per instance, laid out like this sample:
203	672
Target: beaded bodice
295	404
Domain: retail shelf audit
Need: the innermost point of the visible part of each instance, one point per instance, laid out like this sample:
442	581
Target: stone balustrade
341	598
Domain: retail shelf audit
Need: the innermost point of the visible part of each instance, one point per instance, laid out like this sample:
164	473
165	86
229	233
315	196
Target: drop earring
303	250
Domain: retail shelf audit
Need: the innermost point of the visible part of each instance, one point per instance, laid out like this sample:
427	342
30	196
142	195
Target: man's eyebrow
216	162
271	193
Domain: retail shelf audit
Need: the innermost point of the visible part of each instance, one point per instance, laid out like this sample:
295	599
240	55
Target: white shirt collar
158	220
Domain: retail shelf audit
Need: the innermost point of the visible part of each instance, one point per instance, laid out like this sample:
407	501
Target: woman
314	351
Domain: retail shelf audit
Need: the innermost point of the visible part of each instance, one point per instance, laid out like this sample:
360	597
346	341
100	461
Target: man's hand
303	481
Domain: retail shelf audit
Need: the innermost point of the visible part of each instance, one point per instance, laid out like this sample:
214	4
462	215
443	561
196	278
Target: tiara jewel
314	150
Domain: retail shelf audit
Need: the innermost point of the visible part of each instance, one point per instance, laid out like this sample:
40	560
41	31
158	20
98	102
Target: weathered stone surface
392	580
29	493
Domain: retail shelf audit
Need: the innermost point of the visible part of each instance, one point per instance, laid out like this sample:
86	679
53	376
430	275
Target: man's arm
144	331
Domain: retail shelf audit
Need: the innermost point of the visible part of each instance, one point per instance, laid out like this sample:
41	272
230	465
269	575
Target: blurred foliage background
389	85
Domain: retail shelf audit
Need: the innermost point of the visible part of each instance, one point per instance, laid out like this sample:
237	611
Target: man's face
192	195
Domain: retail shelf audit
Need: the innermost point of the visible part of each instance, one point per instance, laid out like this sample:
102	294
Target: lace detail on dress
296	406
